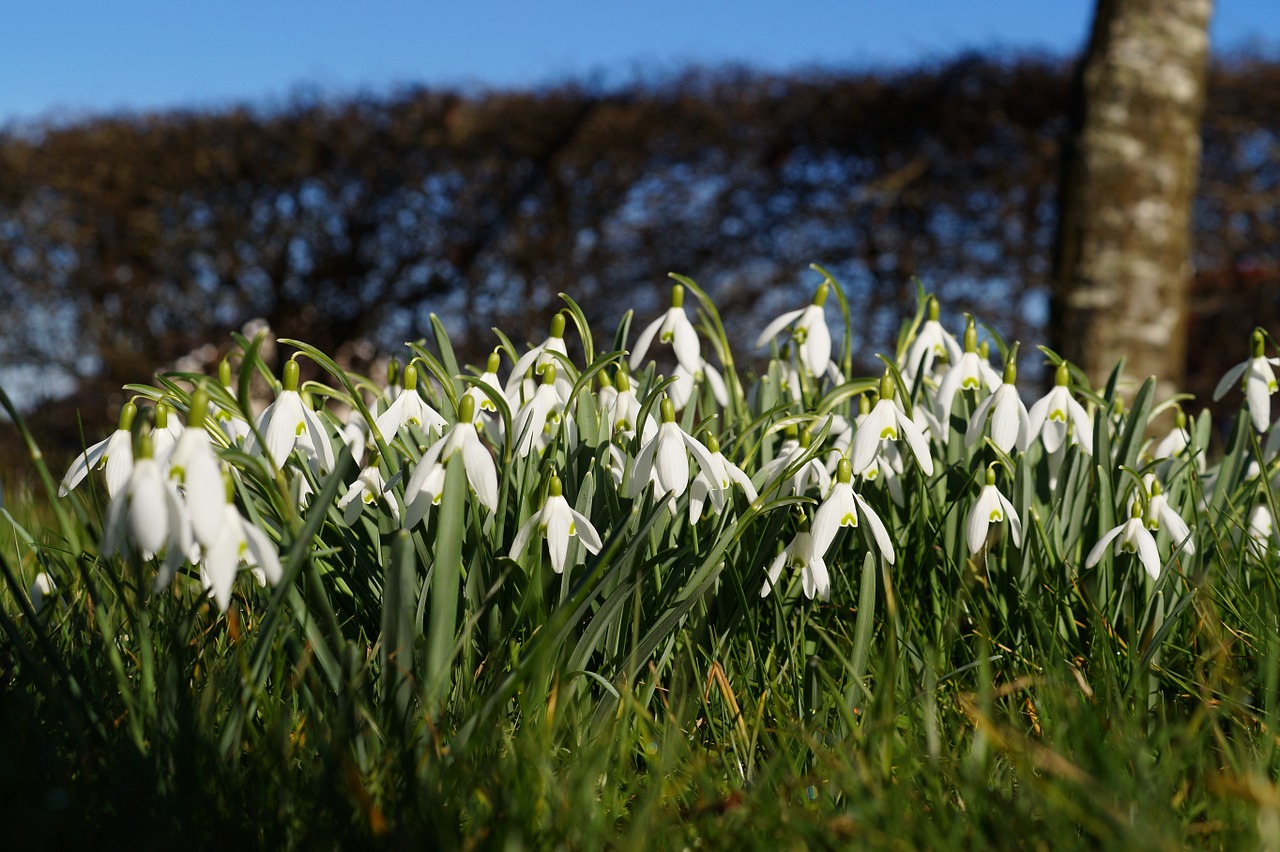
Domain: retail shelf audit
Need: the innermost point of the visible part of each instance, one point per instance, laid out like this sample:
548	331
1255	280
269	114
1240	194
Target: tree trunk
1123	261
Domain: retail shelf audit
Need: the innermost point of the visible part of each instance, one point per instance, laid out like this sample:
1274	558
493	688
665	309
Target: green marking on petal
849	520
889	432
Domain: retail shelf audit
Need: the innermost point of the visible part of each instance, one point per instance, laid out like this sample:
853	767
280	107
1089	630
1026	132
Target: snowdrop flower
557	522
931	341
288	423
991	507
368	488
1259	382
230	420
194	465
664	461
1130	537
887	422
539	419
147	515
971	372
811	471
674	329
800	554
687	382
1178	443
427	482
1052	413
42	587
809	332
1260	528
115	454
538	359
165	432
487	379
1003	411
409	408
355	435
239	542
1161	514
842	508
622	411
713	481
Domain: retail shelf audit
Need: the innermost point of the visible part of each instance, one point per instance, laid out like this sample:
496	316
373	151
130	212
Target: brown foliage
128	241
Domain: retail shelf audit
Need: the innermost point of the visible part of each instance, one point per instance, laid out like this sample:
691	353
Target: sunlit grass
437	683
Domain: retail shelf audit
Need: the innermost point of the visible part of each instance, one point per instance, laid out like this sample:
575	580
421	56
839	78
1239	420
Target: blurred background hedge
138	241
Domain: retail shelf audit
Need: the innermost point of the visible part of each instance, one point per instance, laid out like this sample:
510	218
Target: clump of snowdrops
577	525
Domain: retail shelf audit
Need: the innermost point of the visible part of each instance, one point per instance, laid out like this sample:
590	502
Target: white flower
487	379
664	462
970	372
991	507
1259	382
1130	537
686	383
365	490
1161	515
42	587
622	411
238	542
672	328
809	333
355	435
539	358
1004	412
229	418
812	470
800	554
842	508
114	453
289	422
147	515
1260	528
714	480
557	521
166	432
931	341
887	422
539	419
427	482
1051	414
1175	444
194	465
409	408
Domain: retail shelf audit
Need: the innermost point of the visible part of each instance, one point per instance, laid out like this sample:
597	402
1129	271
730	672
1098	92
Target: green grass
409	686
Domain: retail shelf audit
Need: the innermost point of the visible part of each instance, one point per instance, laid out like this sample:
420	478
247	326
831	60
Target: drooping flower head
809	333
971	372
991	507
1259	381
409	409
1132	536
425	486
289	422
1055	412
1002	411
557	522
931	341
673	329
114	454
887	422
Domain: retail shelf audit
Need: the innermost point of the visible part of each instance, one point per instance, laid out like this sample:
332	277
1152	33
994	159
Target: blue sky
66	58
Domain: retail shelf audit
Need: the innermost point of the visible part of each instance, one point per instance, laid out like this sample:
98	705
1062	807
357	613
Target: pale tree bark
1123	262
